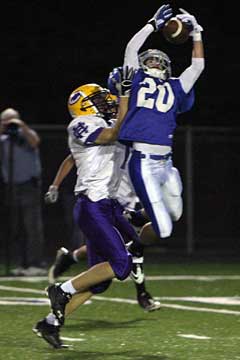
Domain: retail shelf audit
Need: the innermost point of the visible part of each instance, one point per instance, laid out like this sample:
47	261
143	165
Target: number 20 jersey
153	108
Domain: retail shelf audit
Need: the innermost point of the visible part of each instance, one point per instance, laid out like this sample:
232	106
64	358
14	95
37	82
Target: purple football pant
104	226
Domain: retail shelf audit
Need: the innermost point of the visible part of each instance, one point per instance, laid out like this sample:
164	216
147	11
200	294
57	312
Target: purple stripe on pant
103	224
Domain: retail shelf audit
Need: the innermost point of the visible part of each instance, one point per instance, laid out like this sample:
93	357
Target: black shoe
146	301
49	333
63	262
59	300
137	273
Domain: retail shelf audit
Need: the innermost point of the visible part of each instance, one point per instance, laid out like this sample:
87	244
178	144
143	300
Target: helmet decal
74	97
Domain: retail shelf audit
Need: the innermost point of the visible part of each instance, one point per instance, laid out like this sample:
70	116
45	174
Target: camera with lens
12	130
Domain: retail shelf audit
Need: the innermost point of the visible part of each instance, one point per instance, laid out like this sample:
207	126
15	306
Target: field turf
199	318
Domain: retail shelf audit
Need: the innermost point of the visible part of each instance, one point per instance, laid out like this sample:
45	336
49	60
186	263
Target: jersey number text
164	99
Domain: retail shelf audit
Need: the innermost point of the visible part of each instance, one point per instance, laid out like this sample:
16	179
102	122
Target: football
175	31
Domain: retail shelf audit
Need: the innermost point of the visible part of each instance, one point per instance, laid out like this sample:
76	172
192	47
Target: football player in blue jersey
156	98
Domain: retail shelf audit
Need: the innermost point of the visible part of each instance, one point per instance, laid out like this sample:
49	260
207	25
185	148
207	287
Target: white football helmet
155	63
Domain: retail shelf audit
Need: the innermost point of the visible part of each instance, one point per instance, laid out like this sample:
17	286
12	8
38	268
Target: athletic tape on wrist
197	36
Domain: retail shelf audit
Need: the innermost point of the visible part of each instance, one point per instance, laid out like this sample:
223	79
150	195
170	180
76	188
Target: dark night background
50	48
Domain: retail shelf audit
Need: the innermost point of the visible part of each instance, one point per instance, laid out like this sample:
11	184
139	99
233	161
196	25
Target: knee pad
100	288
174	183
177	209
172	191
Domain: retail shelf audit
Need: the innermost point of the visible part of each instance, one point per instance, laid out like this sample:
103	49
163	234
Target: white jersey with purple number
98	166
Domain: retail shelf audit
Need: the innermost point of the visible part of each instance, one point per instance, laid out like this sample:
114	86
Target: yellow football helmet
92	99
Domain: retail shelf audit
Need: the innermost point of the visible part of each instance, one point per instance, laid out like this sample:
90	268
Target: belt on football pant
153	156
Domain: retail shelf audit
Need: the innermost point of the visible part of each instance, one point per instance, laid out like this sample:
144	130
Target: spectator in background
21	173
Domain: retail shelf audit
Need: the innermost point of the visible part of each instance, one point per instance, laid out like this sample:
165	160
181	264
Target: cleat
146	301
137	274
58	299
64	260
49	333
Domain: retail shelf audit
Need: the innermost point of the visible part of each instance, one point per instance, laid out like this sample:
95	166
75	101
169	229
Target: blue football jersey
153	108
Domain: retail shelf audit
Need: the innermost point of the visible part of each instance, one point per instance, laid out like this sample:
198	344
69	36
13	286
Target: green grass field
199	318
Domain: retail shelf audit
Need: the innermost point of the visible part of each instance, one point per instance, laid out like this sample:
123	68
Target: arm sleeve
131	52
191	74
90	140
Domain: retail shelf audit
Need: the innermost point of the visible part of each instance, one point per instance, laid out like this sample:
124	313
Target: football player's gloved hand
52	195
190	20
163	14
124	80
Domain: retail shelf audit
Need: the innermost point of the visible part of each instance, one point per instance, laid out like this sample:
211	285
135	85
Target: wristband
153	23
197	36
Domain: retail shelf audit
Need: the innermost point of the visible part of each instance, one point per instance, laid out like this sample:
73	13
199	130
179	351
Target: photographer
21	173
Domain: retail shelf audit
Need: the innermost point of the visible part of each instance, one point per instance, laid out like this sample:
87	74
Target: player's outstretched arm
63	170
123	86
163	14
52	195
110	135
196	33
192	73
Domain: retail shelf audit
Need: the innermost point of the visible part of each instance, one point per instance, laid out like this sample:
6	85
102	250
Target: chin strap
160	74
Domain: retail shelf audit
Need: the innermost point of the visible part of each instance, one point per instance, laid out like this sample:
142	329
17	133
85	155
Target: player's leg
147	176
95	219
61	301
145	300
124	224
49	328
148	235
64	260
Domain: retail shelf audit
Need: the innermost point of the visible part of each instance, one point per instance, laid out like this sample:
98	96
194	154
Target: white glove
52	195
191	20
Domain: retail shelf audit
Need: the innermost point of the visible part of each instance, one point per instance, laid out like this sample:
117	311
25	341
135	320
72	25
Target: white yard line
193	277
43	301
171	306
201	309
71	339
217	300
23	290
195	337
150	278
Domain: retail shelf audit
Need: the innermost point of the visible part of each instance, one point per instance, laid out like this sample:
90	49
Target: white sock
75	258
52	320
68	287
